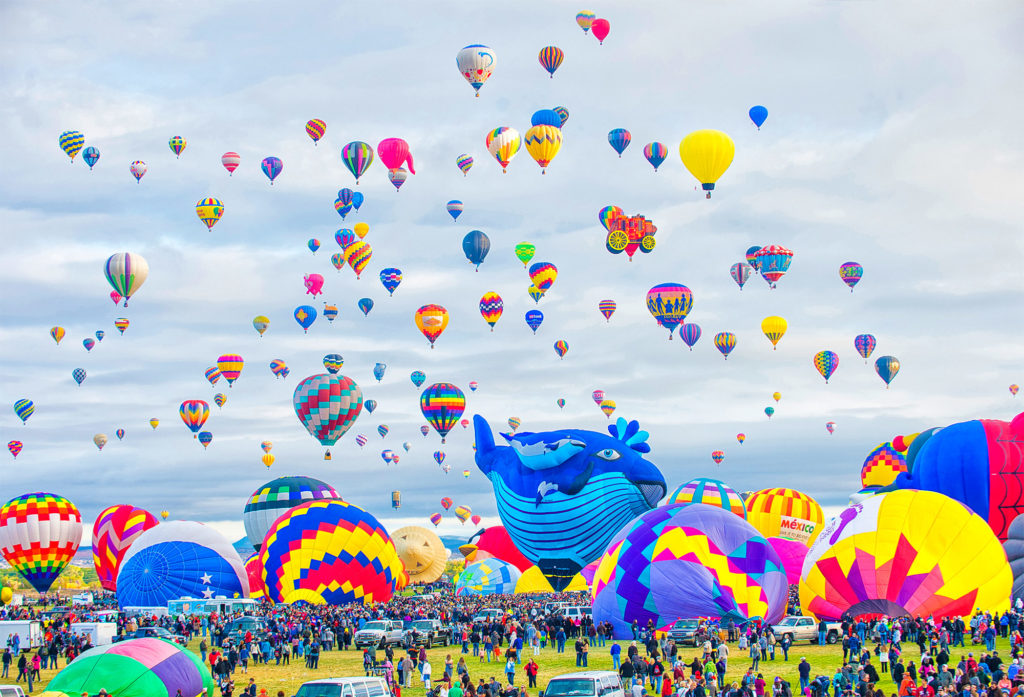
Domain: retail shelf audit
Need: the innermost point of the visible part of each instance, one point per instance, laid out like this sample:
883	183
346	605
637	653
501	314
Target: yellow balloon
422	553
268	459
361	229
776	396
774	328
260	323
543	143
164	514
707	154
6	596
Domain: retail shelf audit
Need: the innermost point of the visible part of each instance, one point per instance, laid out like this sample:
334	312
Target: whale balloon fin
484	443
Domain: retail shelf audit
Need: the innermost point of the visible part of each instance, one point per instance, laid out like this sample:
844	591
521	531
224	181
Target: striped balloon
230	366
213	375
327	405
138	169
358	255
209	211
725	342
865	345
442	405
669	304
607	308
690	334
39	535
711	492
126	272
230	160
464	163
826	363
24	408
177	145
561	348
357	156
274	498
315	129
71	143
194	413
113	532
550	58
785	513
851	272
655	154
271	167
491	307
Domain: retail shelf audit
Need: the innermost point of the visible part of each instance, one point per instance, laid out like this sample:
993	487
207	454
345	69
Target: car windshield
422	624
787	622
319	690
686	624
569	688
380	626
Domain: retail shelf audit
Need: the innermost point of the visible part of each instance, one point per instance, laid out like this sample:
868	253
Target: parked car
804	628
236	628
372	633
428	633
158	632
11	691
344	687
590	683
688	631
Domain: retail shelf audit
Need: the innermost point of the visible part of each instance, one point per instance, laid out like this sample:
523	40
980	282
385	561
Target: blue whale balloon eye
608	454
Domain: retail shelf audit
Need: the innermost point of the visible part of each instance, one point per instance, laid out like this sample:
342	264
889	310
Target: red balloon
600	29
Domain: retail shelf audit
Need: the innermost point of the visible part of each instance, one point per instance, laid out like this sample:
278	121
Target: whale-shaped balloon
562	495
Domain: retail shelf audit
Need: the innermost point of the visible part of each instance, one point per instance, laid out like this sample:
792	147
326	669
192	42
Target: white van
11	691
590	683
577	612
344	687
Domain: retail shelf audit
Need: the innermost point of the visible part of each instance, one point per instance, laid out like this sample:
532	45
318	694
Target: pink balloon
314	283
792	554
600	29
394	153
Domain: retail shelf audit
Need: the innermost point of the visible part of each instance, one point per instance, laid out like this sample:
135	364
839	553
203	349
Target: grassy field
823	660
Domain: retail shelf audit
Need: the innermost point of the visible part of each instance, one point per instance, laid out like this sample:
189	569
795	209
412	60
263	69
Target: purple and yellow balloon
851	273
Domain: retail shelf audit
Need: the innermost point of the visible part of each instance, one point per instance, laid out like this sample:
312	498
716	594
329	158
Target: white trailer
101	633
30	633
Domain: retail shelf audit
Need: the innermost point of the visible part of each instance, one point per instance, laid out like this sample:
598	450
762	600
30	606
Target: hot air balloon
313	244
57	333
342	208
88	343
503	143
669	304
126	272
121	323
360	440
774	328
99	440
725	342
267	459
209	211
607	308
91	156
475	246
260	323
619	139
718	456
524	252
154	422
388	456
23	409
491	307
271	167
865	345
773	262
397	177
740	273
758	114
279	368
454	209
561	348
424	429
534	319
769	411
365	304
100	334
607	407
327	405
219	399
830	426
464	163
476	63
655	154
435	518
194	413
543	275
472	385
535	293
560	402
357	199
305	315
138	169
394	154
79	375
390	279
442	404
315	129
177	145
230	366
115	529
39	536
370	405
851	273
431	320
514	422
71	143
383	431
164	514
463	513
776	396
230	160
333	362
1014	389
14	447
338	260
330	312
707	154
550	58
205	438
358	255
600	27
213	375
378	371
690	334
826	362
887	367
357	156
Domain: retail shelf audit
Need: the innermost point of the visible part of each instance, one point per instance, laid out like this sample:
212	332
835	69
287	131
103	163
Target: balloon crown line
630	434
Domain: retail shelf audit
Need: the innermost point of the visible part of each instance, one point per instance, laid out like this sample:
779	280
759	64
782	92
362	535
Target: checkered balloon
327	405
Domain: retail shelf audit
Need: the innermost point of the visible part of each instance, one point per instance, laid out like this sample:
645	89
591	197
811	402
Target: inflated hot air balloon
740	437
357	156
164	514
230	366
690	334
769	411
370	405
464	423
435	518
454	208
487	577
365	305
543	143
397	177
561	348
707	154
100	334
14	447
327	405
463	513
138	169
740	273
271	167
358	255
503	143
115	529
473	385
475	246
357	199
550	58
209	210
24	408
669	304
315	129
177	145
205	438
785	513
91	156
219	399
607	407
230	161
99	440
851	273
422	553
597	396
655	154
710	492
607	215
543	275
619	139
342	208
194	413
378	371
773	262
1014	389
830	427
277	496
333	362
431	320
464	163
476	62
360	440
600	27
305	315
278	368
524	252
887	367
88	343
607	308
313	244
79	375
686	560
442	404
388	456
126	272
865	345
330	312
725	342
913	553
338	260
491	307
774	328
154	422
758	114
390	278
260	323
39	536
57	333
826	363
535	293
121	323
71	143
718	456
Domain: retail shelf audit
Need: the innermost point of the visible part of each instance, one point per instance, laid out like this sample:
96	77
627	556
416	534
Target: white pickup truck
372	632
804	628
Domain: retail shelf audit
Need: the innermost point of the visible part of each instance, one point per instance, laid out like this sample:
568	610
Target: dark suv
427	633
690	632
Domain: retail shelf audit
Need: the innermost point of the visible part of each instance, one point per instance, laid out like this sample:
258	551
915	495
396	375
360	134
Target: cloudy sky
893	139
